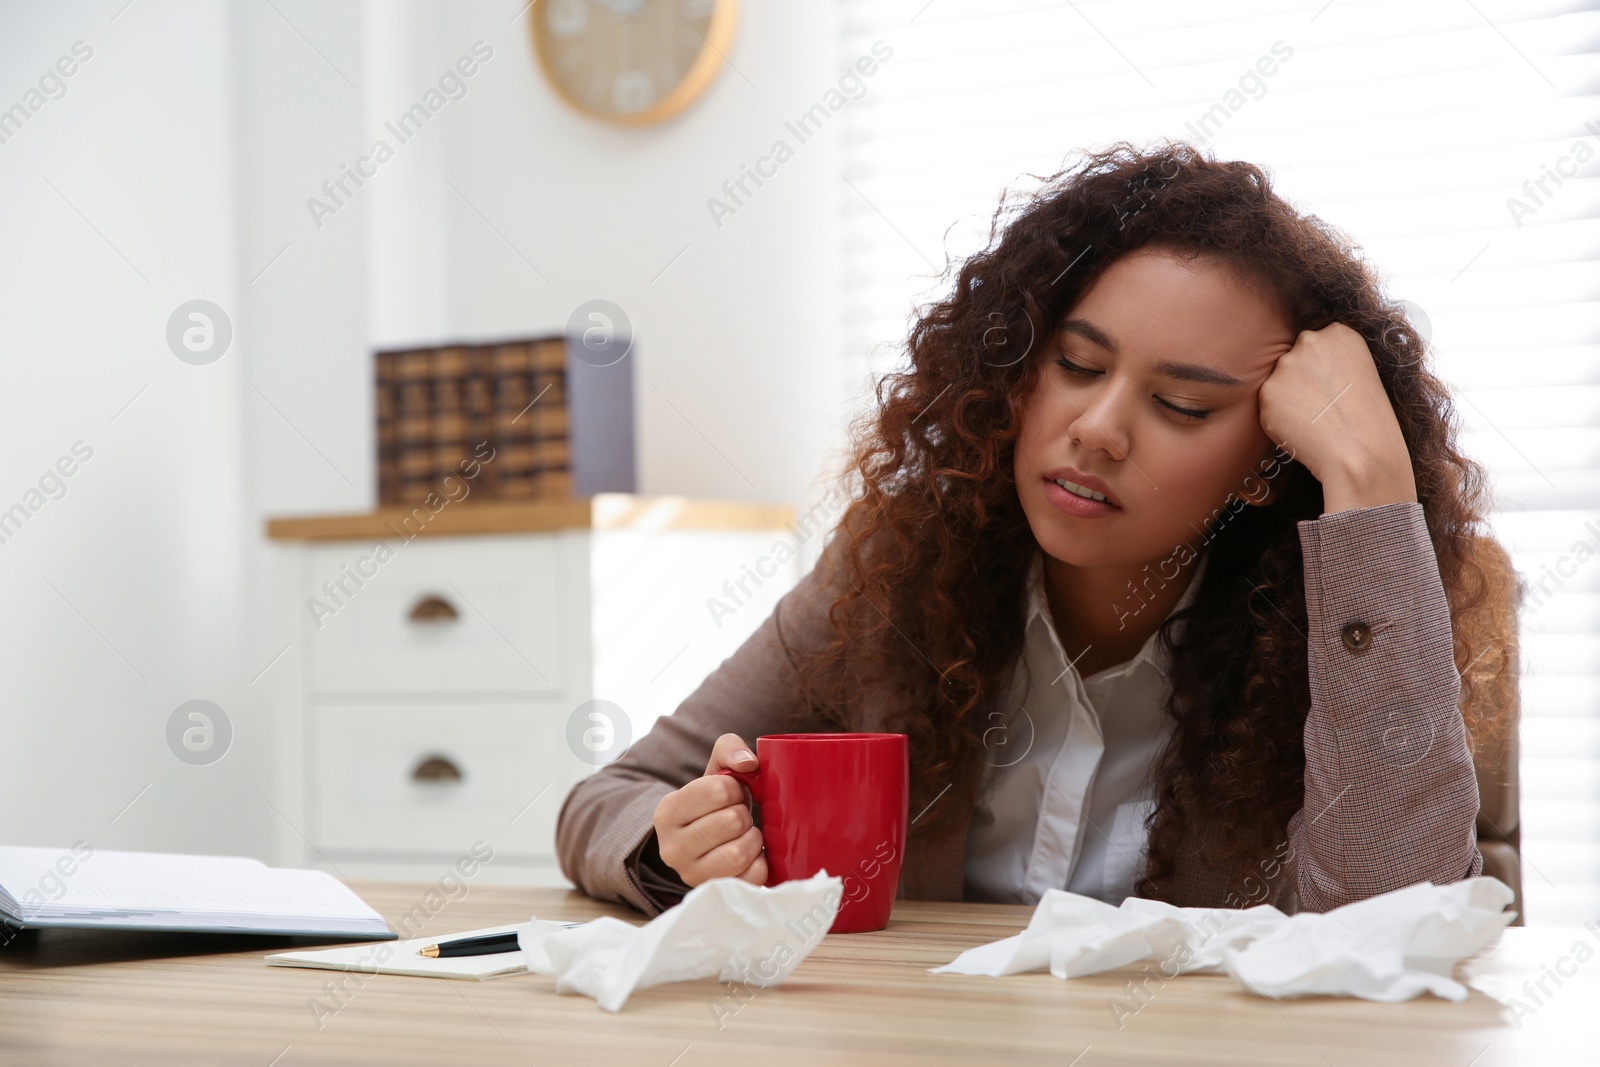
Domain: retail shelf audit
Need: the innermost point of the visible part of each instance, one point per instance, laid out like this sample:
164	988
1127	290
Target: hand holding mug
835	802
704	830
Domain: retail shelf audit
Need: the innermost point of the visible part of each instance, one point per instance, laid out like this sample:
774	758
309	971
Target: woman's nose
1101	421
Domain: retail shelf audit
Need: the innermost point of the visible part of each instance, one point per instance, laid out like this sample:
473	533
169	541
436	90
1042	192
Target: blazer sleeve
1391	796
605	833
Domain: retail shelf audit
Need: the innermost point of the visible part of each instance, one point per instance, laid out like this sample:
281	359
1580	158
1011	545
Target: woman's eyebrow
1193	372
1091	333
1183	372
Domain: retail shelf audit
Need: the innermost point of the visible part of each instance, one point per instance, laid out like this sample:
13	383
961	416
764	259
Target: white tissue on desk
725	927
1389	947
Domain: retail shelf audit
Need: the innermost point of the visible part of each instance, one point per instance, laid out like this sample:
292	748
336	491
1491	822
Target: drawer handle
436	769
434	608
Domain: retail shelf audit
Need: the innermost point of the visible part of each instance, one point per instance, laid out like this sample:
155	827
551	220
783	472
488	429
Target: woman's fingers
703	853
730	752
756	873
704	831
699	798
733	859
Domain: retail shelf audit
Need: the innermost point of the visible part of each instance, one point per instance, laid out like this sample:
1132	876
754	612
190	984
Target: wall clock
632	62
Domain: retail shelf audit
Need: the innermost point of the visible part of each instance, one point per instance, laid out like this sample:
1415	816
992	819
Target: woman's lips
1074	505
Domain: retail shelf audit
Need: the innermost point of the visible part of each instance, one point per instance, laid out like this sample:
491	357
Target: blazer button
1357	636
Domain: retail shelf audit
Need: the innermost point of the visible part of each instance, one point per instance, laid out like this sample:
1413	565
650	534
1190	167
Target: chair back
1490	642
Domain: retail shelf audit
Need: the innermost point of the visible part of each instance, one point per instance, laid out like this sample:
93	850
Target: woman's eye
1194	414
1190	413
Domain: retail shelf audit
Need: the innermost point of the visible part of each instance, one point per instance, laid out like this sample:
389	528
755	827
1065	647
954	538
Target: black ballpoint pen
482	945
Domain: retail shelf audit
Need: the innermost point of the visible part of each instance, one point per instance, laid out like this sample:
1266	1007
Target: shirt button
1357	636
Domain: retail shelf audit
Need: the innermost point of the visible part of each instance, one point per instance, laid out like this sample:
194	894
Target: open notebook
89	887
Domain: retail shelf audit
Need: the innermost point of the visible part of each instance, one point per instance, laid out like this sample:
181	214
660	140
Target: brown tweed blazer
1390	790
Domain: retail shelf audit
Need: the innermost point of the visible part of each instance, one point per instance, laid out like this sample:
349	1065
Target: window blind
1456	143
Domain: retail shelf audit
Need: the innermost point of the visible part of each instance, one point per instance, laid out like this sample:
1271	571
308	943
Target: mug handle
751	780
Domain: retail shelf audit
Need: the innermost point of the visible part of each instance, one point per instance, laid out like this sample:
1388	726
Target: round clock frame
714	46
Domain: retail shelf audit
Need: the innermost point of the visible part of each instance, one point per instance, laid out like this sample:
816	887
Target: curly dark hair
936	546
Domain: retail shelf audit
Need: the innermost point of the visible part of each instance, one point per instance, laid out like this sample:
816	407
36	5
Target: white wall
510	210
191	141
507	184
298	89
125	596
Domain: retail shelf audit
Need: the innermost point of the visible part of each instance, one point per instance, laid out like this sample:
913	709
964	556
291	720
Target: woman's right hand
704	830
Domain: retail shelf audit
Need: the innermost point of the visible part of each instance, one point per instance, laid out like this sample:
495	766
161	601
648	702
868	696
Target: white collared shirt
1065	789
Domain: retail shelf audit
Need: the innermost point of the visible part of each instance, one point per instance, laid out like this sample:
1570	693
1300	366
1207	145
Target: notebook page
123	882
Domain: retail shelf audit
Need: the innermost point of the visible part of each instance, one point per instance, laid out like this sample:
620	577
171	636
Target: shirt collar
1038	610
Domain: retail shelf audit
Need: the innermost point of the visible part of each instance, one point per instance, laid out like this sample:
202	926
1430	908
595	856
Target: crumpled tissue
725	927
1390	947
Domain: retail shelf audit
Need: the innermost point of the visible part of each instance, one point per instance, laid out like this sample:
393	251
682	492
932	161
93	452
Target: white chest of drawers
444	684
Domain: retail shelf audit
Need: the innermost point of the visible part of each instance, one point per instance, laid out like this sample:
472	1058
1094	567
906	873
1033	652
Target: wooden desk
81	998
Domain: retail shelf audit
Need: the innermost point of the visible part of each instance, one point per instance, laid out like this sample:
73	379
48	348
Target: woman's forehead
1152	308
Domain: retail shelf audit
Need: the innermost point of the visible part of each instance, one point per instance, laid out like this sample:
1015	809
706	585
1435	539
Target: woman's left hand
1325	405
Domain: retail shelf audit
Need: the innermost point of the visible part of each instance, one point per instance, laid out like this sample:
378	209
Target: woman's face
1149	385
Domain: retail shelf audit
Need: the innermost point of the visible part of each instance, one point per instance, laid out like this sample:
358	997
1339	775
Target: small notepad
401	957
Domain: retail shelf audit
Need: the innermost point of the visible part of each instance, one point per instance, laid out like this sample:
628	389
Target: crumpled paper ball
726	927
1390	947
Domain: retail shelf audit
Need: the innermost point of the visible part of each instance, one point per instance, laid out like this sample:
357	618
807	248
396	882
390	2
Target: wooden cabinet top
603	511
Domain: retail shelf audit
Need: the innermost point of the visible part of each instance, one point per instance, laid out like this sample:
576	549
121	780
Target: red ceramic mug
838	802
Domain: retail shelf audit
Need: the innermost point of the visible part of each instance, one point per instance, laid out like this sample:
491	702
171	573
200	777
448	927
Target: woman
1161	551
